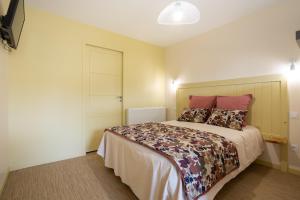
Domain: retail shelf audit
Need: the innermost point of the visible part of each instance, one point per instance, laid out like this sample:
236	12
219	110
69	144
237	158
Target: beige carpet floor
86	178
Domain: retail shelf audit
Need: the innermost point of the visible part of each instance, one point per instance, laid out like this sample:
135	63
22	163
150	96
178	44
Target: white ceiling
137	18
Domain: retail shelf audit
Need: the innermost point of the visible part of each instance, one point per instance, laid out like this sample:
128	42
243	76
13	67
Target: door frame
85	87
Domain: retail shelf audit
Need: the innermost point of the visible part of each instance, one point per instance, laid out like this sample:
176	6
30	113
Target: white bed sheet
151	176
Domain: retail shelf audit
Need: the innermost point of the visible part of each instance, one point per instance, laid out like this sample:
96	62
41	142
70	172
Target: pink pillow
207	102
234	102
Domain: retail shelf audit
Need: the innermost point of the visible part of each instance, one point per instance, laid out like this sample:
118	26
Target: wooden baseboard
291	170
268	164
5	179
295	171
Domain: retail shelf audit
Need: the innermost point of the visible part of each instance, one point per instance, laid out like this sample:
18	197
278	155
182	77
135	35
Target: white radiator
142	115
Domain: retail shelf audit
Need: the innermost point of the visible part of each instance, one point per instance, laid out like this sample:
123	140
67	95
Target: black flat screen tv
12	23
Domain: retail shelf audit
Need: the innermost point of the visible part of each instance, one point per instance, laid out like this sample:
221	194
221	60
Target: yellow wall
4	153
45	99
4	162
258	44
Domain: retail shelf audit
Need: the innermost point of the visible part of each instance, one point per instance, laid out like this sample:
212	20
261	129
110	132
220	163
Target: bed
130	161
152	176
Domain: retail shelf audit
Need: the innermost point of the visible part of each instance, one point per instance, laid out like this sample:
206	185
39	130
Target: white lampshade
179	13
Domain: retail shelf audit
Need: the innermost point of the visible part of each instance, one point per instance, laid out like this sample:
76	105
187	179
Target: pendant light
179	13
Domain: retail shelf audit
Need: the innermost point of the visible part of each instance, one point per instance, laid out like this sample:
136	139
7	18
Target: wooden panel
99	104
101	61
102	84
95	128
275	126
103	89
266	108
268	111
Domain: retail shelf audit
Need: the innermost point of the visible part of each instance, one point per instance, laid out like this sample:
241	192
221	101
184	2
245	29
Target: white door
103	93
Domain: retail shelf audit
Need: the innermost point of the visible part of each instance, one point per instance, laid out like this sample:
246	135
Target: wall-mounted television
12	23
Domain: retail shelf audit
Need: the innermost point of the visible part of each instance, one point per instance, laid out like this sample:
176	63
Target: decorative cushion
202	102
234	102
236	119
197	115
219	117
232	119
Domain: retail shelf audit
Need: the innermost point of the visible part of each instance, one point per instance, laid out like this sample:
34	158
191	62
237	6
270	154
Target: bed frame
268	112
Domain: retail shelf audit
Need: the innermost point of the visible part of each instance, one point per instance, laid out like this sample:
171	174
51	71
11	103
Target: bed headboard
269	110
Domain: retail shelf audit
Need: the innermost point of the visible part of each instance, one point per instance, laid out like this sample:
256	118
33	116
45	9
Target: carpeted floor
86	178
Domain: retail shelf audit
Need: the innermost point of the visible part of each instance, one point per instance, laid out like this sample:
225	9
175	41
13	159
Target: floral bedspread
201	158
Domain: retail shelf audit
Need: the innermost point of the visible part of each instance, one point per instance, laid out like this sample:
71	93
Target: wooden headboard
269	110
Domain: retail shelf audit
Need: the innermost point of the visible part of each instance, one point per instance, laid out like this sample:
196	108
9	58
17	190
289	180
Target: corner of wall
4	163
2	182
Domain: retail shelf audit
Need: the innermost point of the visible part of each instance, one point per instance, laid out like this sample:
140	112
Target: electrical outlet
294	115
295	148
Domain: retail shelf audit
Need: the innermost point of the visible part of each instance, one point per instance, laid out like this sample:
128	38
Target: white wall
258	44
4	157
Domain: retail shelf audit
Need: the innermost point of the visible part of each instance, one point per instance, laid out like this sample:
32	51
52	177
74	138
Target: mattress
152	176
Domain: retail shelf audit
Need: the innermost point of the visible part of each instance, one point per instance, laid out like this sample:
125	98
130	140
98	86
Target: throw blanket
201	158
